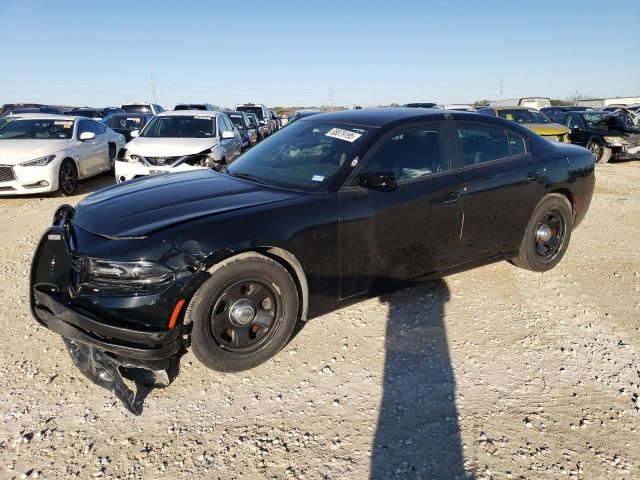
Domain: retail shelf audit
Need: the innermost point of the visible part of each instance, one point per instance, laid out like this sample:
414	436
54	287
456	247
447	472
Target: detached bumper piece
104	370
105	353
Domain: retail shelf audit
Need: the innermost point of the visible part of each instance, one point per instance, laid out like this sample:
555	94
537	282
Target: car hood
139	207
169	147
13	152
546	128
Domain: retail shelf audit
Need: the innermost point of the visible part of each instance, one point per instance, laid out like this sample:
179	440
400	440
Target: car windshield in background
256	110
36	130
303	156
126	123
180	126
190	106
523	116
593	118
137	108
86	113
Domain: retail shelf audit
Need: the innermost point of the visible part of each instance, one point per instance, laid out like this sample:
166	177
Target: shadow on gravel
417	434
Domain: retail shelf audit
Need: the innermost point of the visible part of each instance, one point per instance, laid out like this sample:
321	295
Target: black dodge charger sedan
332	209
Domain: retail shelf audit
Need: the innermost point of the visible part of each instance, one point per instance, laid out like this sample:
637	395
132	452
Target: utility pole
331	97
501	85
153	88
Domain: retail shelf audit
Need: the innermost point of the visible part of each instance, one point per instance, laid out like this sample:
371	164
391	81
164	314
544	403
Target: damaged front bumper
105	352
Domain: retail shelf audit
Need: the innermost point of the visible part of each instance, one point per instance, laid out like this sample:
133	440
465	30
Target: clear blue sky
103	52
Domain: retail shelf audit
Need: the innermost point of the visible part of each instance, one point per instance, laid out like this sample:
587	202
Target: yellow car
531	118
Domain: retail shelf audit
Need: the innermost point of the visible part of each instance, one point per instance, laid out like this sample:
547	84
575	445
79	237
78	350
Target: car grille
161	161
6	173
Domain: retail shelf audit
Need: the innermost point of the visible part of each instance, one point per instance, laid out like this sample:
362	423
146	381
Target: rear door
504	182
387	237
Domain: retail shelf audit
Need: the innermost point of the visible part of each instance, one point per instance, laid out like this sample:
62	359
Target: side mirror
86	136
227	135
135	133
378	180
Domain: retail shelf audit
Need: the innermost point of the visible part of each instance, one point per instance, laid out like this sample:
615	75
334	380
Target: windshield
304	156
124	123
256	110
595	117
180	127
36	130
137	108
523	116
191	106
86	113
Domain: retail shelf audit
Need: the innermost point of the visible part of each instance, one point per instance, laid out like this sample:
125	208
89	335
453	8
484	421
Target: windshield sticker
317	178
341	134
137	120
64	124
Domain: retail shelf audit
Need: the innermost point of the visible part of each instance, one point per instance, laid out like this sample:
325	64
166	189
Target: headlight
616	140
129	157
114	275
38	162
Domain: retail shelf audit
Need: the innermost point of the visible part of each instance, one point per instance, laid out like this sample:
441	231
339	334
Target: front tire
243	314
600	151
547	236
67	177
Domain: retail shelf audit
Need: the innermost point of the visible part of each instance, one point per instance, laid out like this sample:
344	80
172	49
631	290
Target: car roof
188	113
378	117
49	116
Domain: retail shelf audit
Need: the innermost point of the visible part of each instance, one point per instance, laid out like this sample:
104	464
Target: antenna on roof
153	88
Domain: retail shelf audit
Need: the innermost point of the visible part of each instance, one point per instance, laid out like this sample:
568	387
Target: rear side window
517	144
482	143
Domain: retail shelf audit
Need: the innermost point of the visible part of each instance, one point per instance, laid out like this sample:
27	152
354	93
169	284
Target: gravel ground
493	373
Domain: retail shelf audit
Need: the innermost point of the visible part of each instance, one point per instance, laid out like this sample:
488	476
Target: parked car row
48	152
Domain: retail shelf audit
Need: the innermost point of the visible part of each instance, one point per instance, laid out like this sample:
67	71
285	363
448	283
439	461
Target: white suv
179	141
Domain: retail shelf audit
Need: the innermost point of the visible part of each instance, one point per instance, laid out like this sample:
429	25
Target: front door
387	237
91	152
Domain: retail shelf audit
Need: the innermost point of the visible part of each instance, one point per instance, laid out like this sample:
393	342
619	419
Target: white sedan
179	141
49	153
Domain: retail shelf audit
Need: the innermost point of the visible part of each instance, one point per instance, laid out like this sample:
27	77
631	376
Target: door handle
450	198
533	176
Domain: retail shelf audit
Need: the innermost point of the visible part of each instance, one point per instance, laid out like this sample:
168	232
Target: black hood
140	207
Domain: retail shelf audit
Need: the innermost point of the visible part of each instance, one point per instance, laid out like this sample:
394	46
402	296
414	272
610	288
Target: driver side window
412	153
84	126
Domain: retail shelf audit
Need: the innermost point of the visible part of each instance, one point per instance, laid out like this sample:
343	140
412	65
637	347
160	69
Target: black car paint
340	245
610	126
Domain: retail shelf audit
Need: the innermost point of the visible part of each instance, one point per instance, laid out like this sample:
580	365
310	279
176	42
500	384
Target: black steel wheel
67	177
547	236
550	234
244	313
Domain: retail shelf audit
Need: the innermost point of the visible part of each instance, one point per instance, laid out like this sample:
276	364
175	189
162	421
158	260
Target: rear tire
67	177
600	151
547	236
243	314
